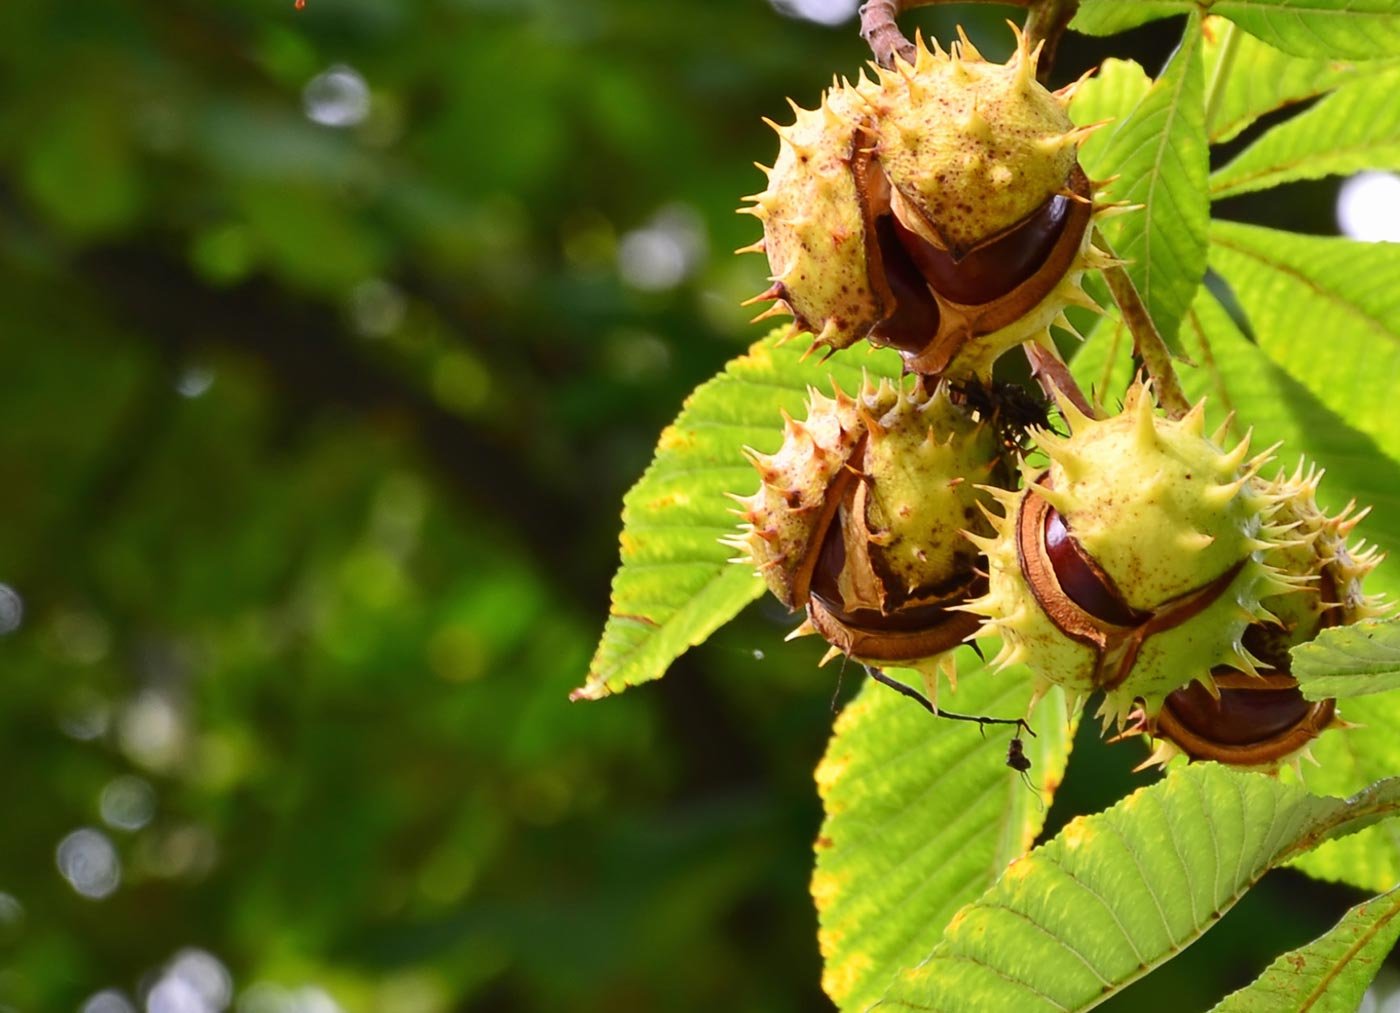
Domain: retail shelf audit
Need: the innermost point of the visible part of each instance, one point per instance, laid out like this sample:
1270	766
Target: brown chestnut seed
995	266
914	320
909	628
1081	579
908	636
1254	722
961	323
1115	645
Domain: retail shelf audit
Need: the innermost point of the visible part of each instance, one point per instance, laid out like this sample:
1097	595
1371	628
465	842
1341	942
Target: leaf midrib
1230	184
1332	972
1312	284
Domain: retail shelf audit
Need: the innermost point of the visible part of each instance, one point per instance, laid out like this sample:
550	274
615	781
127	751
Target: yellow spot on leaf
839	979
825	887
673	438
1018	869
829	771
1075	833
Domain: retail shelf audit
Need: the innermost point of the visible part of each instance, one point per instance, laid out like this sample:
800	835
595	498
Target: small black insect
1008	407
1016	757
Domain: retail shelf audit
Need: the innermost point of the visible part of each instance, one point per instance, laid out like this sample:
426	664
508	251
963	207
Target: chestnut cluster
939	209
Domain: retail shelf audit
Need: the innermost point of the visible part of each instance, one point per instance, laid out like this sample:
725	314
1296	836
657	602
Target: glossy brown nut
1080	579
995	266
907	635
914	320
1257	721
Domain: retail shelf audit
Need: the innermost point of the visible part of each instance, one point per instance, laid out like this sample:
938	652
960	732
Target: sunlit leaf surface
1117	894
921	816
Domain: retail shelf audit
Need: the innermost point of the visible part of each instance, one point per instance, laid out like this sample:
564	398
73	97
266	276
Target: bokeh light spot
824	12
127	803
194	381
337	97
1368	207
11	609
88	861
109	1000
377	308
194	981
665	251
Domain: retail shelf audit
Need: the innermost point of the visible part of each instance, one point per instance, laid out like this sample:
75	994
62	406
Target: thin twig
913	694
882	35
1046	23
886	41
1147	340
1055	378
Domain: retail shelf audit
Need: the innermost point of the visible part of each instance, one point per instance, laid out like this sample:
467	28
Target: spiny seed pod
1262	721
1135	563
939	209
860	520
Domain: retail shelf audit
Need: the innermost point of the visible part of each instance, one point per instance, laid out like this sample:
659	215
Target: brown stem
881	34
1055	378
886	41
1046	23
1147	340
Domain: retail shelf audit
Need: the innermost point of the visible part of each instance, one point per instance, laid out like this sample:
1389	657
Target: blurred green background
329	342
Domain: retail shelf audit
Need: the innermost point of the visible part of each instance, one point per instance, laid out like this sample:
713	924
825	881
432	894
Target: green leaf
1325	309
1349	661
1329	974
1108	17
1263	79
1238	376
922	816
1159	153
1354	128
1359	29
675	586
1111	94
1115	895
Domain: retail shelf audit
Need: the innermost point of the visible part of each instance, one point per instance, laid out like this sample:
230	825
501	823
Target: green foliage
1360	29
312	439
1116	894
677	584
1158	152
1275	80
1349	661
1346	131
1301	293
922	816
1330	974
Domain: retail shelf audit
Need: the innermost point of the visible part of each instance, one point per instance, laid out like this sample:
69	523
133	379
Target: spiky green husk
784	519
1317	553
1157	504
959	150
897	475
815	224
923	466
1326	577
1166	514
970	147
